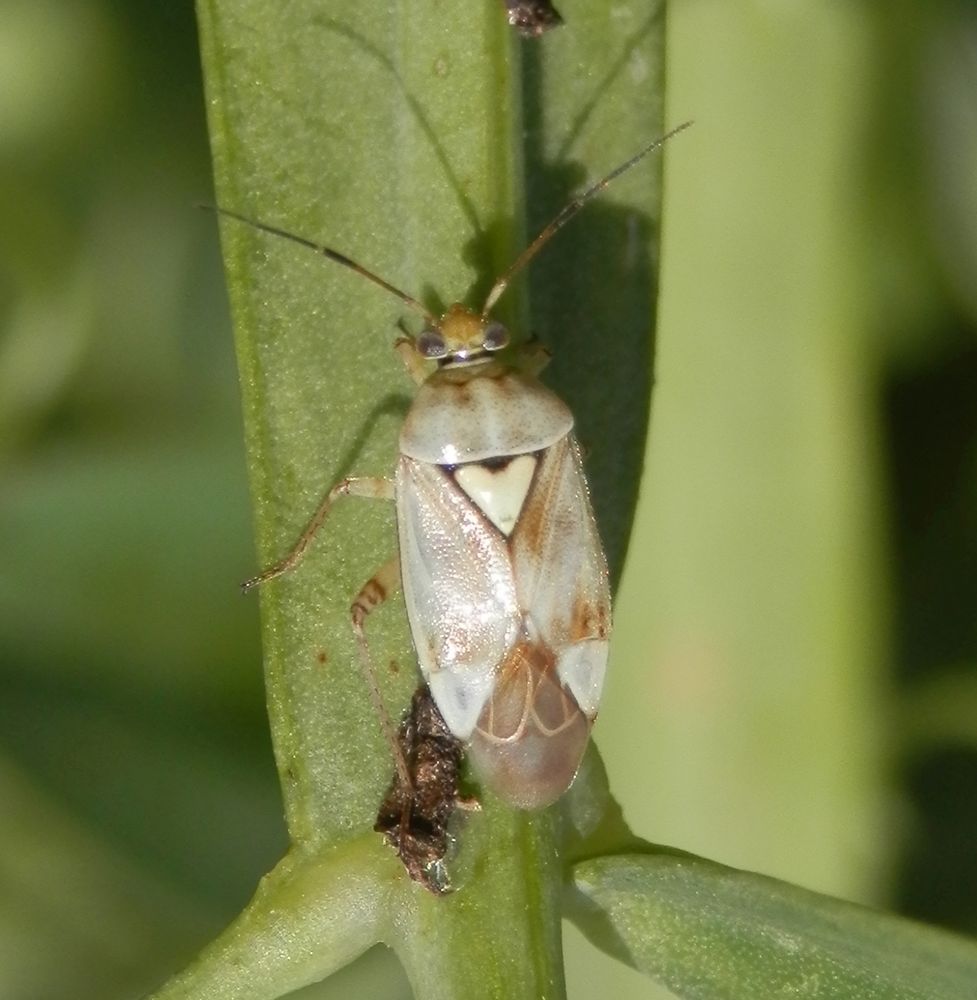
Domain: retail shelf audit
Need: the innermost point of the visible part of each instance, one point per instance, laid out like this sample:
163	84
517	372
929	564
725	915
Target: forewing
561	571
459	588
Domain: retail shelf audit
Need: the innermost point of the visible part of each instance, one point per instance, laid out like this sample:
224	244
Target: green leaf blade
395	136
386	134
297	930
710	932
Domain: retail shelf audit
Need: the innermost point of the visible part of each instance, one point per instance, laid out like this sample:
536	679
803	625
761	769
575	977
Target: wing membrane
459	588
559	562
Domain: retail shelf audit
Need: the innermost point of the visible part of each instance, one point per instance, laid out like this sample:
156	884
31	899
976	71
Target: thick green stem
394	134
499	934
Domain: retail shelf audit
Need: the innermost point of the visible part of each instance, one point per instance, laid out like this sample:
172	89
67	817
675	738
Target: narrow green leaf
298	928
709	932
395	134
385	132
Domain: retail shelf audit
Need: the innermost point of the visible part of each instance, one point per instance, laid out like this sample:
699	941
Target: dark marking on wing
589	620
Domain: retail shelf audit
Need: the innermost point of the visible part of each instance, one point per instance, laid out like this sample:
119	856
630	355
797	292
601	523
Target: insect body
503	571
504	576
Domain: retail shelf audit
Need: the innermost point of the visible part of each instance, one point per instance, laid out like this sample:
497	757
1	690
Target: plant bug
504	576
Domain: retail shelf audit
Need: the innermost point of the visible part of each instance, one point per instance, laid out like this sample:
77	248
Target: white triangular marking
498	493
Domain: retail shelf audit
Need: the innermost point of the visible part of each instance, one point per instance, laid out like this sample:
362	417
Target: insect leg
533	356
418	367
370	487
373	593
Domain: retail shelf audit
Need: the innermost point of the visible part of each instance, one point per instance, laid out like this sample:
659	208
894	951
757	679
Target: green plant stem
395	135
498	935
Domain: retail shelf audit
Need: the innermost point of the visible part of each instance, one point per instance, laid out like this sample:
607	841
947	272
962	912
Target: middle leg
373	593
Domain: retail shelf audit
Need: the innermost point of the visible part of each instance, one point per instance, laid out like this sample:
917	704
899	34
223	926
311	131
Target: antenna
332	255
566	214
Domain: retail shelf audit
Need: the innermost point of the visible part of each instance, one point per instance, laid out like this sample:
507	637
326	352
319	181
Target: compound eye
496	337
430	344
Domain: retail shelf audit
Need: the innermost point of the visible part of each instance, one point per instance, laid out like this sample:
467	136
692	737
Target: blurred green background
794	682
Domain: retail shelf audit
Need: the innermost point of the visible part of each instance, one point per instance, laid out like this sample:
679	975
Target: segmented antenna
502	283
335	255
566	214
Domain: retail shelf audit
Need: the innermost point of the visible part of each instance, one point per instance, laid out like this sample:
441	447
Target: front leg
532	356
415	364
